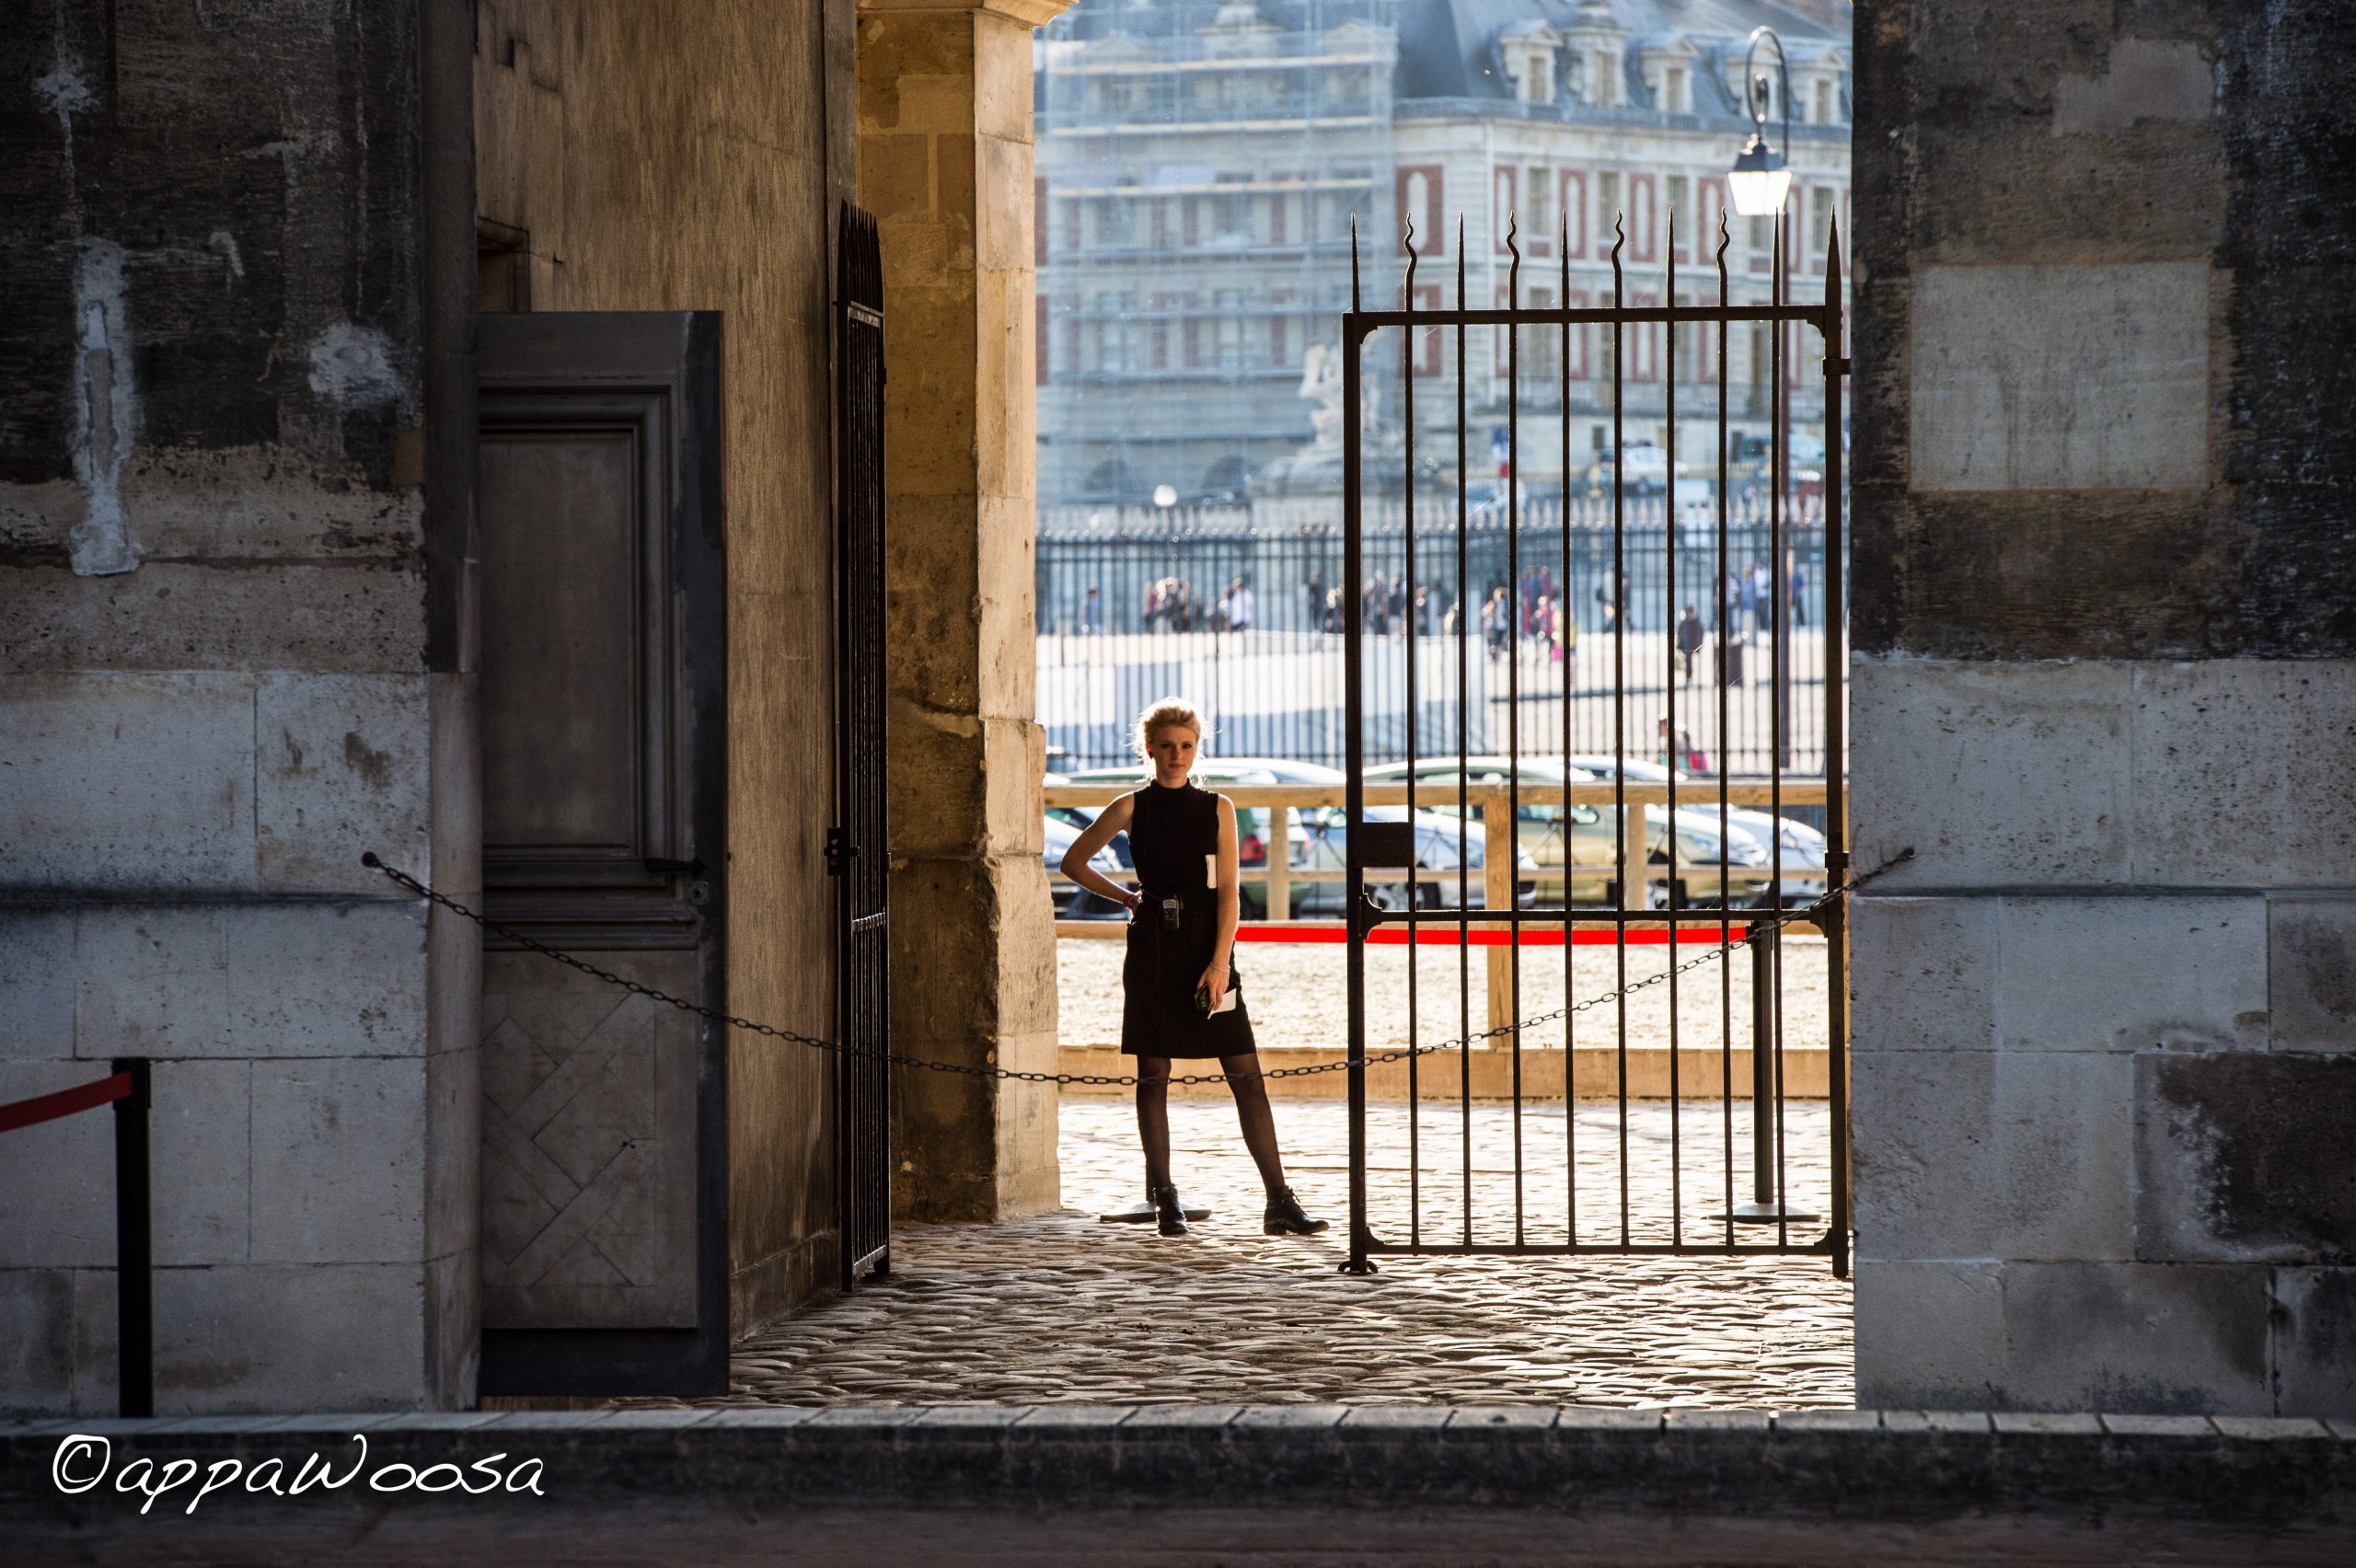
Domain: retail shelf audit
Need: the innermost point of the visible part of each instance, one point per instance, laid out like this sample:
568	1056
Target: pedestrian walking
1689	643
1795	579
1758	594
1238	607
1181	995
1496	627
1092	611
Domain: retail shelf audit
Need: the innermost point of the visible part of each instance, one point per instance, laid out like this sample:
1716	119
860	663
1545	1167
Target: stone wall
2105	683
232	662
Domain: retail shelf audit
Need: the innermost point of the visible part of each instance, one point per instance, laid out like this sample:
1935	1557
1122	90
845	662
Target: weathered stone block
2153	1338
2311	972
1928	1184
308	979
1929	1335
2142	79
234	1339
1992	773
326	979
2059	378
201	1152
35	985
200	616
341	766
36	1341
152	982
56	1176
2246	773
2065	1153
2245	1158
1925	973
453	1153
2132	973
127	780
338	1161
2314	1341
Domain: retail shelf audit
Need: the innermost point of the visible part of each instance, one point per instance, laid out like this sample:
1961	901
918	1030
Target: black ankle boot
1284	1217
1169	1214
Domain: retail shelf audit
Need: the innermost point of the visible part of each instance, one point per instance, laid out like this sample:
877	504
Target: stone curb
1899	1465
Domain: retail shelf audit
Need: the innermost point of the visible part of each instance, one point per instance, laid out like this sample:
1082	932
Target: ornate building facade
1200	164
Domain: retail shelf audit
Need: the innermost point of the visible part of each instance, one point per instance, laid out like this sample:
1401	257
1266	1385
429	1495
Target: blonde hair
1171	712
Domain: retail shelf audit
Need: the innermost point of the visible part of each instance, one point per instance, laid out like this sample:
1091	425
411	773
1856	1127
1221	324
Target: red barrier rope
1447	935
64	1102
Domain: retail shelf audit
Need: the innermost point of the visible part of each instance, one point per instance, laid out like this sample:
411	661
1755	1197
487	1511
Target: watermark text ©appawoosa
84	1462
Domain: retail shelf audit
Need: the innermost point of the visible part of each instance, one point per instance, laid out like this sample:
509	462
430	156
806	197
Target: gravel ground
1297	993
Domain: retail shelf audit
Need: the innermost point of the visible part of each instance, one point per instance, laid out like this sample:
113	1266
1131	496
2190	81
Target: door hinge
840	851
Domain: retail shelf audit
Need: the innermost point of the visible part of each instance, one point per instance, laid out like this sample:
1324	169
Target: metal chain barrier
753	1026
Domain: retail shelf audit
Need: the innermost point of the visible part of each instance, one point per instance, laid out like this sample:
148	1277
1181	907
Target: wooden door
603	766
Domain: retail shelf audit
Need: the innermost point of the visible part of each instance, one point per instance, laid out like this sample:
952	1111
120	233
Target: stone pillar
944	156
2106	686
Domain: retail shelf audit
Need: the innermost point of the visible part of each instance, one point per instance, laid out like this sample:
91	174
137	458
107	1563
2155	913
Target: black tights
1251	1110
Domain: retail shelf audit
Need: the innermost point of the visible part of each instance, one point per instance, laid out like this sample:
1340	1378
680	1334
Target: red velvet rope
64	1102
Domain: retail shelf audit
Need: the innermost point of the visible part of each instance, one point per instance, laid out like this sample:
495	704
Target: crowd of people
1539	614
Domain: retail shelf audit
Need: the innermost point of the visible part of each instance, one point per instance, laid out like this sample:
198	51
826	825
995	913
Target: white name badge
1210	871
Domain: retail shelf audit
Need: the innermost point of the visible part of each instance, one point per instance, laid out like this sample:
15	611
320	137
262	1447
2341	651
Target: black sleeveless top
1173	844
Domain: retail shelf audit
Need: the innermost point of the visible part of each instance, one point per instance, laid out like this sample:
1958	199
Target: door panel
604	758
562	686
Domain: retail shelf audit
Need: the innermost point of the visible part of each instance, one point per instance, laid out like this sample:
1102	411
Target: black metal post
1766	1208
1353	686
134	1247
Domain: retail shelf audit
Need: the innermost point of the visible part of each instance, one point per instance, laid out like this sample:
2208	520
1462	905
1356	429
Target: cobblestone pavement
1063	1308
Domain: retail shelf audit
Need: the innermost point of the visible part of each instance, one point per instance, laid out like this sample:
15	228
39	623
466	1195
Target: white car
1803	845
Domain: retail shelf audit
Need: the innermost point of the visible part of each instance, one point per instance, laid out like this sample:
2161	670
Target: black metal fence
1242	608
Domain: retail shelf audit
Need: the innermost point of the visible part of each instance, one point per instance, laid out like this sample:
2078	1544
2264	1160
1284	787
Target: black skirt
1159	974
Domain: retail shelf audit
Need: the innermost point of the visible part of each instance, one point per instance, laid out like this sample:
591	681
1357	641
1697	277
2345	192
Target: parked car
1713	870
1803	845
1319	838
1072	901
1079	817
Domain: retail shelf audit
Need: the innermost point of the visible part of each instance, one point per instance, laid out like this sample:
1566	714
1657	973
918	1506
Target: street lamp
1760	178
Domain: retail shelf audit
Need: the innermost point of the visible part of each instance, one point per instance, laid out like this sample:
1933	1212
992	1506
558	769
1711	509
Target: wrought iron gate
1629	1170
856	849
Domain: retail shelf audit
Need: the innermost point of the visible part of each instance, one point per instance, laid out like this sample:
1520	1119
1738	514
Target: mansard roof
1448	48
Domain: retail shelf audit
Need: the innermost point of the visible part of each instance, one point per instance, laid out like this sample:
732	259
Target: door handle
662	867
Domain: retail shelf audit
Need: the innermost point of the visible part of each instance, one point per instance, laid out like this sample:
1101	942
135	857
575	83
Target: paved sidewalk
1063	1309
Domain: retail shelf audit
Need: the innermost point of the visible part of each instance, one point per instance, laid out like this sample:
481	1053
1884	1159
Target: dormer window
1675	98
1528	55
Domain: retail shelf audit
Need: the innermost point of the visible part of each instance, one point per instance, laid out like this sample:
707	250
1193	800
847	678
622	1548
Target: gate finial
1513	272
1354	262
1407	289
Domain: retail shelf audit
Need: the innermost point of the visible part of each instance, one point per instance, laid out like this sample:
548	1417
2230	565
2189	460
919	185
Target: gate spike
1513	272
1354	262
1407	289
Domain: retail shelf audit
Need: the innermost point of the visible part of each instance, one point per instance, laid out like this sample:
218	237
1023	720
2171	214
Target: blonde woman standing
1181	995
